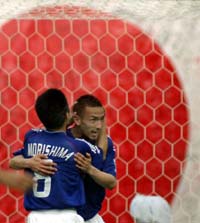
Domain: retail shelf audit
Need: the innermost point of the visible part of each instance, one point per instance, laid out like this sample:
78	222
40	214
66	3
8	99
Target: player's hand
40	165
102	140
83	162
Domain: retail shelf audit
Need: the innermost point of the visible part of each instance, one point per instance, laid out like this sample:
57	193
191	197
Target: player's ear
77	119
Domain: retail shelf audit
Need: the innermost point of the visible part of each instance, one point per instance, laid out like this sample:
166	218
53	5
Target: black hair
85	100
51	108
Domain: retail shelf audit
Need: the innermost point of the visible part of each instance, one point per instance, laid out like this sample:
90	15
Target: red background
146	110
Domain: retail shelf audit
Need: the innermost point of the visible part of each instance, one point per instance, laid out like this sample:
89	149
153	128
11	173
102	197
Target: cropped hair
85	100
51	108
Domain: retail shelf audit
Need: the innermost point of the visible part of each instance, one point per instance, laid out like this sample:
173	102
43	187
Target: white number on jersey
46	187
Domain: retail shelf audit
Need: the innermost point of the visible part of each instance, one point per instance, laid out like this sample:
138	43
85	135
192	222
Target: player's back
65	188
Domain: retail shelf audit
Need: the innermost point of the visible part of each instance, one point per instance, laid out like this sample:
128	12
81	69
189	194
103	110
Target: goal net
141	59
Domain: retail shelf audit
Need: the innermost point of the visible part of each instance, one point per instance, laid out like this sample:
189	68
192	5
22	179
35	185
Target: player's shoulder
69	133
95	149
110	143
33	131
83	141
109	139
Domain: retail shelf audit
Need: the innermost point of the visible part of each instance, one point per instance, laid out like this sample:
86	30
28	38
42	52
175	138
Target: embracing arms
37	163
104	179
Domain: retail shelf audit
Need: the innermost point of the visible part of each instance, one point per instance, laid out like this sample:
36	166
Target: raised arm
102	141
37	163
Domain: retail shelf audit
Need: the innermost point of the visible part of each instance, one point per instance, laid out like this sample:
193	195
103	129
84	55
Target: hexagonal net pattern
146	109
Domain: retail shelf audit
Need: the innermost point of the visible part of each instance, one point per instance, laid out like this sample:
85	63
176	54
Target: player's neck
61	129
76	132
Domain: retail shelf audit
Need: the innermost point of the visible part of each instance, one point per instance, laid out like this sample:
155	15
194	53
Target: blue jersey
65	188
95	193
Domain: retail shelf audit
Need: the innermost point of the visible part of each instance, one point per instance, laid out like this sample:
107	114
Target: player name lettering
49	150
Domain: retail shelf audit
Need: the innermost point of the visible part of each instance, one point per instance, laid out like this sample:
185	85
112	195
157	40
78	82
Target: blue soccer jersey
95	193
65	188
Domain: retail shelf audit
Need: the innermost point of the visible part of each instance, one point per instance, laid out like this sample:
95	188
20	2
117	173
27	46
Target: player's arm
15	180
104	179
36	163
102	141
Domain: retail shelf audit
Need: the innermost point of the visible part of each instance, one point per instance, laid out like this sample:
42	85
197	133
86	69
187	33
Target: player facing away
89	119
55	198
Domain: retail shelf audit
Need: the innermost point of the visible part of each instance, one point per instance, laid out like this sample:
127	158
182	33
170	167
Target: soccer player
89	119
56	197
89	124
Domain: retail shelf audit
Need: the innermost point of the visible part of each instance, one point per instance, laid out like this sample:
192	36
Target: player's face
92	121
